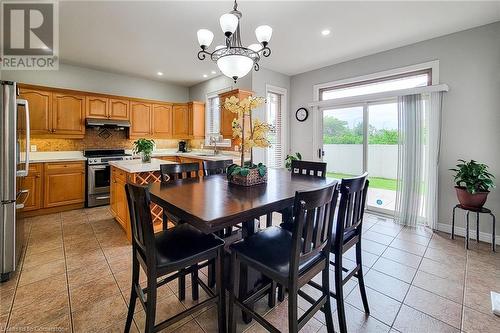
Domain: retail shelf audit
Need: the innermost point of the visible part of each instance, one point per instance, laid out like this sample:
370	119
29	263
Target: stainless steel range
98	174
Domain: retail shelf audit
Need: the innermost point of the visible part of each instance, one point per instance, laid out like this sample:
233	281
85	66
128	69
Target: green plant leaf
244	172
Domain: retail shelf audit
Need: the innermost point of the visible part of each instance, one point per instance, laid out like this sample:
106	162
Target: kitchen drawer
57	167
119	174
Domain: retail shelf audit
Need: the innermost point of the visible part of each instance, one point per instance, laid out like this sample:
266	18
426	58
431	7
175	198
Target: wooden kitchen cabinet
97	107
118	197
33	183
68	114
64	184
226	116
196	120
140	119
162	121
180	121
40	105
118	109
174	159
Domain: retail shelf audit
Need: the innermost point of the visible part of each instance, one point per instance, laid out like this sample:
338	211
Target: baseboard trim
460	231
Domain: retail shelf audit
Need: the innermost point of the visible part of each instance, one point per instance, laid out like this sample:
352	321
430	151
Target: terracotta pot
468	200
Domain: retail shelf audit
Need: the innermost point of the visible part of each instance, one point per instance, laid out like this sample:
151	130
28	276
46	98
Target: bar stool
482	210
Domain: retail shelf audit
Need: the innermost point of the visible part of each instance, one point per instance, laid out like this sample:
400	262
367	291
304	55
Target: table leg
453	224
247	230
477	227
467	230
493	233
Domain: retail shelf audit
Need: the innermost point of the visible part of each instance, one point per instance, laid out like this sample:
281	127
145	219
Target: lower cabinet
64	184
33	184
118	204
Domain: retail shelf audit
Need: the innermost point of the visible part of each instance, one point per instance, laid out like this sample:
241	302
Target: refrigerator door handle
24	173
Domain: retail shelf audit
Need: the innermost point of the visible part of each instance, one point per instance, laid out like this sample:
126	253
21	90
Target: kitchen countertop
55	156
199	154
136	165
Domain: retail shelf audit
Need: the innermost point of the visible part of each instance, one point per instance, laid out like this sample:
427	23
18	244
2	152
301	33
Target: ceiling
141	37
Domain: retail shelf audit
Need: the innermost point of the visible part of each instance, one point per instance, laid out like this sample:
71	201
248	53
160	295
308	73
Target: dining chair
308	168
347	234
215	167
175	250
291	259
173	172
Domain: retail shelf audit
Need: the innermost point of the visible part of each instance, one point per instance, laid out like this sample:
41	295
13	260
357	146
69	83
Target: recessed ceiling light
325	32
205	75
214	72
159	73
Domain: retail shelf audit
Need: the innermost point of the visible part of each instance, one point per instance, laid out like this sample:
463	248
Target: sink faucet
213	140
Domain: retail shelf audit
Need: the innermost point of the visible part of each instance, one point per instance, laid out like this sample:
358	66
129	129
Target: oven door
99	177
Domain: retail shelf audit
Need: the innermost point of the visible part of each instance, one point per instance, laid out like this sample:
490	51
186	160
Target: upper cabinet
196	120
68	114
40	105
118	109
162	121
140	119
107	108
97	107
55	114
180	119
61	113
226	116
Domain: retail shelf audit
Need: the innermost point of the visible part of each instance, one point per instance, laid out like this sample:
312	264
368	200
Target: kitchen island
137	172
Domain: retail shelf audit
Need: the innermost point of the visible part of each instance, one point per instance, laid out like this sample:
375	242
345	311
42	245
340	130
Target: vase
469	200
146	158
253	178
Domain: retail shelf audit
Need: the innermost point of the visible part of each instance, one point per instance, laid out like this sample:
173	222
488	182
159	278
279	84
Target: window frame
284	118
210	95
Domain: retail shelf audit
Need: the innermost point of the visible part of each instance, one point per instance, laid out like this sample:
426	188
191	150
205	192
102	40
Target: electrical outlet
33	148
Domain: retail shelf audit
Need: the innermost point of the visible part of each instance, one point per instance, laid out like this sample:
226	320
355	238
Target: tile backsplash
94	140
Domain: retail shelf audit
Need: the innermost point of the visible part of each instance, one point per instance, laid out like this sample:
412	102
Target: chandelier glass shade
233	59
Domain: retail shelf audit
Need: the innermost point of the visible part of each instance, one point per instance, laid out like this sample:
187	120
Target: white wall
85	79
470	65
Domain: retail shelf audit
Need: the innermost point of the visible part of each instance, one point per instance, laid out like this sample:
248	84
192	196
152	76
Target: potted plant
248	173
473	182
290	158
144	147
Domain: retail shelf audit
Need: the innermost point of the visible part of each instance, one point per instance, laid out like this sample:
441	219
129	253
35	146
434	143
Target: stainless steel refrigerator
14	166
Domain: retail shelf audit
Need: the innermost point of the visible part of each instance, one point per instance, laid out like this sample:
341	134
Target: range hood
108	123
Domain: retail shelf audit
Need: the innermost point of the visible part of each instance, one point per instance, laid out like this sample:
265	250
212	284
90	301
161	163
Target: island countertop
136	165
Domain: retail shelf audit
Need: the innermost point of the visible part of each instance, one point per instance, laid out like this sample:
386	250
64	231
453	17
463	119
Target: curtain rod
379	96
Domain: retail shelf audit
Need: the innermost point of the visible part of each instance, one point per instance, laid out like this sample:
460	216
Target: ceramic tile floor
75	277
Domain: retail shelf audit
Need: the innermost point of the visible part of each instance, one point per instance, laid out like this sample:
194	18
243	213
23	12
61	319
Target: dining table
212	204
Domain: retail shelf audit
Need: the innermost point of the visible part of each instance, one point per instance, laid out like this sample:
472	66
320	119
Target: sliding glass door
363	138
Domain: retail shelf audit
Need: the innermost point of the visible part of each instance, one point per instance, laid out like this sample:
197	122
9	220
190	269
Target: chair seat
347	235
270	249
182	243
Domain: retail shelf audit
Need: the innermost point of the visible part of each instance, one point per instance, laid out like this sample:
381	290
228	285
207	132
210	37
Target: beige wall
470	65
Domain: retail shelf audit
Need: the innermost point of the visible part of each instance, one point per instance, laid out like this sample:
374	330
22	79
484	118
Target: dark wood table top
211	203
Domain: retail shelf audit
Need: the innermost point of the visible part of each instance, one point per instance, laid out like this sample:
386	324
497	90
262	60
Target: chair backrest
351	207
140	219
179	171
215	167
312	229
308	168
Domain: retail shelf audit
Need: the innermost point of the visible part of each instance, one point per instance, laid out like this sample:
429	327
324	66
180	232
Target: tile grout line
18	278
462	313
67	278
112	273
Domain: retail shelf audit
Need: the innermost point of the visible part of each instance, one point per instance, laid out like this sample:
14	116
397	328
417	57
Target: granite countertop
55	156
136	165
205	154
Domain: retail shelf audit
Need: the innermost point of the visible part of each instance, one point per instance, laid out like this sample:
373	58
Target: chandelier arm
266	51
202	54
256	66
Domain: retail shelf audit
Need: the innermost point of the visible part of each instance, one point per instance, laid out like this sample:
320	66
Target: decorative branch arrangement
255	136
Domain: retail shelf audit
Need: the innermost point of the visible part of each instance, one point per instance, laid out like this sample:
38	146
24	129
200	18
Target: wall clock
301	114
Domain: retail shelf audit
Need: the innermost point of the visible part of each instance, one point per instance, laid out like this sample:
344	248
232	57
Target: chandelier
233	59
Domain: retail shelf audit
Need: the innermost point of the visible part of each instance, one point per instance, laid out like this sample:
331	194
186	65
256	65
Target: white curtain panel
419	124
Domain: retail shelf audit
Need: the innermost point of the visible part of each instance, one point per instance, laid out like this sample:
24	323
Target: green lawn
375	182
